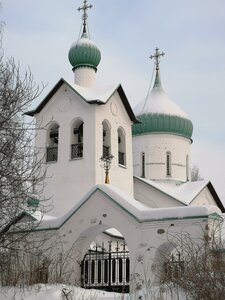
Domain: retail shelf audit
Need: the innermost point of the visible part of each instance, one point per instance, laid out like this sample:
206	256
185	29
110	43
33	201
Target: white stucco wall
67	181
115	114
144	240
85	76
155	147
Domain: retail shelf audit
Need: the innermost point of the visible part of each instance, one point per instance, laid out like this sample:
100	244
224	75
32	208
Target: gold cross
156	56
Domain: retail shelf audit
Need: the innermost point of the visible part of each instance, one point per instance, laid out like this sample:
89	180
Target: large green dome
161	123
84	53
158	114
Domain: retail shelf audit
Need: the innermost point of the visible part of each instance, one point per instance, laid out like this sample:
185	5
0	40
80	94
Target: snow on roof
83	41
41	216
96	93
114	232
138	210
157	102
185	192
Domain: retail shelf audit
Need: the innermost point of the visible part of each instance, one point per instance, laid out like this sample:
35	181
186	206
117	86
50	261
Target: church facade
117	175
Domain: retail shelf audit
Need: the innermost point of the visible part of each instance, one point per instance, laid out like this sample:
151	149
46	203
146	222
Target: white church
118	178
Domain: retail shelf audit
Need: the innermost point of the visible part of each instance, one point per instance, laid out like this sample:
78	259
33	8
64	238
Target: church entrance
106	266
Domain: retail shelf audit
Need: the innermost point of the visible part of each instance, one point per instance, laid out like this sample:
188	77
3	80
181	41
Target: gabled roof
16	220
185	192
135	209
92	95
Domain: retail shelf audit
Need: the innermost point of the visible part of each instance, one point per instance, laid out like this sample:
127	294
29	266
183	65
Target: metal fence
106	270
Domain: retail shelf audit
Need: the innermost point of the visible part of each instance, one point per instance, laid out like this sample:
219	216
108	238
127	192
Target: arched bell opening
52	143
106	263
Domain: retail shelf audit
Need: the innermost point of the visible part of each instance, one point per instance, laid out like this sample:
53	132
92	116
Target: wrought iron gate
106	270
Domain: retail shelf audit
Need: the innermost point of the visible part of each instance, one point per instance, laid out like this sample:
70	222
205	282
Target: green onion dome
158	114
84	53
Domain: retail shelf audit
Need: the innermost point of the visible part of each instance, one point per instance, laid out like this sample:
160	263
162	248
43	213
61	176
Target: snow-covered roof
91	95
136	209
185	192
113	232
157	102
97	93
158	114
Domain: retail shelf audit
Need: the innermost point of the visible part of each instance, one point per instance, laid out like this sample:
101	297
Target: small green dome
84	53
158	114
33	202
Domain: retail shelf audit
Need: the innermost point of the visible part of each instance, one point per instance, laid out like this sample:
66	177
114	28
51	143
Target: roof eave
216	197
127	105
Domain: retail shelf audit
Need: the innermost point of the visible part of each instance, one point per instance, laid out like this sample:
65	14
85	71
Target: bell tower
85	131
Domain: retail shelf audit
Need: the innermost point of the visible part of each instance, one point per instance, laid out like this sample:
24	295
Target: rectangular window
52	154
143	165
76	150
121	158
168	164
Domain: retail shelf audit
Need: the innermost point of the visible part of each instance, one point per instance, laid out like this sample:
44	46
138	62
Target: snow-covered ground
65	292
57	292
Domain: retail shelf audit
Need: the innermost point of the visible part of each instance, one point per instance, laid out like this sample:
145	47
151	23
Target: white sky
39	33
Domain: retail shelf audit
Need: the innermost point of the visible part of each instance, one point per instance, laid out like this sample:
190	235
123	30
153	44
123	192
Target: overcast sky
192	33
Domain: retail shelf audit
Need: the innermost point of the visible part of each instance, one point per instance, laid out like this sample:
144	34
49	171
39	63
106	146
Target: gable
170	194
208	196
115	113
152	196
21	218
88	95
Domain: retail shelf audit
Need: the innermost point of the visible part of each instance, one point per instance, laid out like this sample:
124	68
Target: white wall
155	147
68	180
144	240
116	115
85	76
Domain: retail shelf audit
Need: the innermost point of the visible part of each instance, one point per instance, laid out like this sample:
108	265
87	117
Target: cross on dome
85	7
156	57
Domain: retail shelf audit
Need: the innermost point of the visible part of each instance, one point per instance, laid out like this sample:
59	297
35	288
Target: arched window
77	139
52	143
168	163
187	167
143	164
121	147
106	139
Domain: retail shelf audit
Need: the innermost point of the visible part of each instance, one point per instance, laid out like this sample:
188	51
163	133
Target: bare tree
195	174
196	266
19	166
